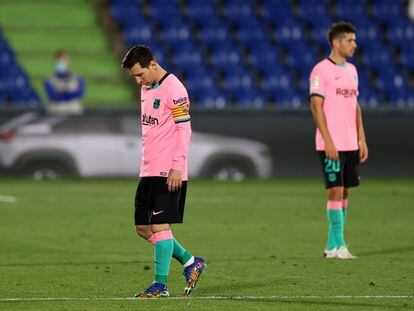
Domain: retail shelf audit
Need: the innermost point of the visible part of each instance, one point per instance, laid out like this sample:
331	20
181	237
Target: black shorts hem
344	186
156	223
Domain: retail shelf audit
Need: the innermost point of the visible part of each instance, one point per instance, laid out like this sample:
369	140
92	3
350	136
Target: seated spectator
64	89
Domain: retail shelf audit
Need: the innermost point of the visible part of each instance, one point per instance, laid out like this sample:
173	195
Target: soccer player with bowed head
160	195
340	137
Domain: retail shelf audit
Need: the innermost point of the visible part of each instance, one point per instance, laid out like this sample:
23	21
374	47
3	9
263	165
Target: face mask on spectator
61	67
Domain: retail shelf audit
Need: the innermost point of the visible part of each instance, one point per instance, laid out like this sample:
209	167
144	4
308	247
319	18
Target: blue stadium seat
201	83
203	38
376	55
315	12
226	56
387	11
406	56
277	11
265	58
401	31
368	98
238	78
126	12
188	56
319	34
368	32
25	97
213	99
290	31
251	32
164	10
213	34
177	34
201	9
277	81
351	10
289	98
364	81
250	98
301	56
392	82
139	34
238	11
15	88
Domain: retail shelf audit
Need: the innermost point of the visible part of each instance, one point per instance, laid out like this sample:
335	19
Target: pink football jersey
338	86
166	127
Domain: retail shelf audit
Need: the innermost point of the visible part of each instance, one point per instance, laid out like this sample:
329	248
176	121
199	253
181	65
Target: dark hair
60	53
138	54
338	29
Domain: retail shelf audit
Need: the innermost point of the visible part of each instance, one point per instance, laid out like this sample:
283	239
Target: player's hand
330	151
174	180
363	151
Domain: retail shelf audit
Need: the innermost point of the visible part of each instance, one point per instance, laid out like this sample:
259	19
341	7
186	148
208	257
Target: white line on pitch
8	199
211	298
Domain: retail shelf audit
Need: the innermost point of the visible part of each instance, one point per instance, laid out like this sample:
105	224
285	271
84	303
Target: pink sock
344	203
152	239
334	205
163	235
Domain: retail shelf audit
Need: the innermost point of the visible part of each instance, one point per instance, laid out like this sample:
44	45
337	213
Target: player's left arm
362	142
180	108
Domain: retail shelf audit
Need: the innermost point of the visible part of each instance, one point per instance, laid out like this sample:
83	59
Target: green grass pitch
75	239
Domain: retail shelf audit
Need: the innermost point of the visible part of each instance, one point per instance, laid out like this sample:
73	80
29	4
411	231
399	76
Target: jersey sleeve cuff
316	94
176	165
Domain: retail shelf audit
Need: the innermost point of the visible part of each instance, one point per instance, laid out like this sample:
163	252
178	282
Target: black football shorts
341	173
154	204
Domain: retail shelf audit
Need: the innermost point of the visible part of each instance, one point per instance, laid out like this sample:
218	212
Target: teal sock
162	259
344	213
331	236
344	208
336	226
180	253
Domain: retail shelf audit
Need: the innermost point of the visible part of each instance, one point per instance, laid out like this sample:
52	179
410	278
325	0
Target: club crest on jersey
156	103
332	177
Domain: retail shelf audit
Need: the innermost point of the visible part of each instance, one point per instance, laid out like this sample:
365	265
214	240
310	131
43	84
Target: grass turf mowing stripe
211	298
7	199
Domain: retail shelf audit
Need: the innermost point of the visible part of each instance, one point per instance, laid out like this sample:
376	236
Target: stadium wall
290	137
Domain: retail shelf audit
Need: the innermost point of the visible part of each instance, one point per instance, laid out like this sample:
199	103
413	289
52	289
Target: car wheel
237	169
45	170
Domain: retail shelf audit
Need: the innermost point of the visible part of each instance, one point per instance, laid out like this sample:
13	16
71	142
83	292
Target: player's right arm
320	122
317	93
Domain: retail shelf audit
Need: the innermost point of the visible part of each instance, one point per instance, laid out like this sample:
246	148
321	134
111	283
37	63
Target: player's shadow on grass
321	303
108	262
396	250
246	286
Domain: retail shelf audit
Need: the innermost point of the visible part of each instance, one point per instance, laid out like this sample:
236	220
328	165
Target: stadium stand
15	87
35	32
248	54
252	53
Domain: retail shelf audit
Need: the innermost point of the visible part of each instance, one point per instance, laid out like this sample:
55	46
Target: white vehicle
98	146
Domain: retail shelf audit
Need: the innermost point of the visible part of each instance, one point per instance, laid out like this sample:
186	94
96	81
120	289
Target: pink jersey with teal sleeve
338	86
166	128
